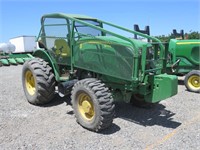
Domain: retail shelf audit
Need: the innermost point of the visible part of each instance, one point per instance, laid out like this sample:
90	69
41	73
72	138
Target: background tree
191	35
194	35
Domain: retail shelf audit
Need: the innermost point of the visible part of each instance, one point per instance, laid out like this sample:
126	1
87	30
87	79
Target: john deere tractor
79	56
184	59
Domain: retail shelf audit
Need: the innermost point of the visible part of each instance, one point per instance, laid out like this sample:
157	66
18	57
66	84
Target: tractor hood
186	50
108	55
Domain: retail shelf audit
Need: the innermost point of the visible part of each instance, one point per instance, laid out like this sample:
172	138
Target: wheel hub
85	106
194	81
30	82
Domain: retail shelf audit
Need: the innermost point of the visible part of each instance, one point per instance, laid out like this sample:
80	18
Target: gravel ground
171	124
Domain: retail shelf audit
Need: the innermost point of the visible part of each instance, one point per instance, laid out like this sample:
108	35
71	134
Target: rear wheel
38	81
92	104
192	81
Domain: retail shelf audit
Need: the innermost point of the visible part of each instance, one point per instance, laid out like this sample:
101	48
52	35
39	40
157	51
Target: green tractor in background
183	58
78	55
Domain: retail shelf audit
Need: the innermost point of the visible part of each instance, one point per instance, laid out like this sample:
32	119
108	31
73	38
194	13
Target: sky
22	17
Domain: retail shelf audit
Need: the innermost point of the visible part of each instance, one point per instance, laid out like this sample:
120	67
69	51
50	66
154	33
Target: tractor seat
62	48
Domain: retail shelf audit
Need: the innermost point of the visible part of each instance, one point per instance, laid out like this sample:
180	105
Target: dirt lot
172	124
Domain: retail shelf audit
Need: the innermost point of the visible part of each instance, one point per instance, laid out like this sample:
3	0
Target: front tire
38	81
92	104
192	81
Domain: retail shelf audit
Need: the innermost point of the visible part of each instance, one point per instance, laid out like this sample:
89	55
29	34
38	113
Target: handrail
111	33
137	33
135	51
62	15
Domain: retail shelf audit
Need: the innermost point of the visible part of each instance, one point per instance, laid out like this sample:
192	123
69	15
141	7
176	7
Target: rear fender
44	55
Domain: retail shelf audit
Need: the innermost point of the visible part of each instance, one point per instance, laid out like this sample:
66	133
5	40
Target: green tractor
184	59
78	55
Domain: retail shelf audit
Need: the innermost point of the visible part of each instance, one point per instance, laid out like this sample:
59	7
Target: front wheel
92	104
192	81
38	81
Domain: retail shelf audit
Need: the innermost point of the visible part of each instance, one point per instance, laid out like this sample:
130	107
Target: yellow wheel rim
30	82
194	82
85	106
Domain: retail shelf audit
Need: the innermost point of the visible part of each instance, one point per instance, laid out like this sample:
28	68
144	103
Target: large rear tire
38	81
192	81
92	104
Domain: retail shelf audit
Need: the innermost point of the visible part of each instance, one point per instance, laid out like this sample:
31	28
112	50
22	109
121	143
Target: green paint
19	60
5	62
188	51
14	58
162	87
12	61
